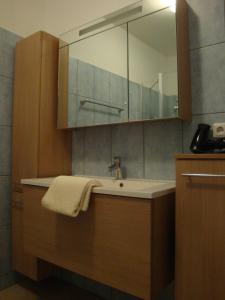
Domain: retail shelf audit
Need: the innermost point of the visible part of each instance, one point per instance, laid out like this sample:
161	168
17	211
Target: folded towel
69	195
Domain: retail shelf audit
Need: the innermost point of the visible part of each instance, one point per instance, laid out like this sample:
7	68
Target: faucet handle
111	167
117	160
115	164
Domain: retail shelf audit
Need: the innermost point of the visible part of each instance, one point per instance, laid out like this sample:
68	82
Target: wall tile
5	203
5	150
97	151
73	66
78	151
8	42
190	127
7	280
127	142
72	110
208	88
154	100
162	140
118	95
101	94
169	110
101	84
84	112
5	250
135	107
118	295
85	83
206	22
5	100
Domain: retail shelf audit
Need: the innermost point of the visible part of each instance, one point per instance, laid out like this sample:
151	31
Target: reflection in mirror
153	87
97	79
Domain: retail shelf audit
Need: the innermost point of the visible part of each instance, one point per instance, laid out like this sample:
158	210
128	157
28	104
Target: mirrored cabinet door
96	90
153	87
134	71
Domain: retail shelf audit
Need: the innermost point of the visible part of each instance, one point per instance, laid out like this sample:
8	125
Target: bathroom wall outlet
219	130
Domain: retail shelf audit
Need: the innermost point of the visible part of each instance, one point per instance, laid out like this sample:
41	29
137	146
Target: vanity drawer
200	227
109	243
126	243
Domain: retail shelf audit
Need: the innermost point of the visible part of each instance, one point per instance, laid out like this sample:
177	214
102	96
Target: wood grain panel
200	227
26	263
55	146
63	87
183	61
26	108
201	156
110	243
39	149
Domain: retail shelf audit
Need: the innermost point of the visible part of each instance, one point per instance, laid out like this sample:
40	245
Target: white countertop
147	189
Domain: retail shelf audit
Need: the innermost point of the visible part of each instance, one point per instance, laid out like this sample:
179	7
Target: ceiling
158	30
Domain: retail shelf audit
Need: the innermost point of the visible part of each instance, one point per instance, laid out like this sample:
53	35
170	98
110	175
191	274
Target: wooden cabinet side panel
26	108
63	74
183	60
22	262
55	148
200	227
109	243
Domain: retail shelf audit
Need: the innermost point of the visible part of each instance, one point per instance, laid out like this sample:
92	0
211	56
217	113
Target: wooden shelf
200	156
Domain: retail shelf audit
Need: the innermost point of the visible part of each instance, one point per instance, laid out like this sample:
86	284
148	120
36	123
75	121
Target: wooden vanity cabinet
39	149
200	227
126	243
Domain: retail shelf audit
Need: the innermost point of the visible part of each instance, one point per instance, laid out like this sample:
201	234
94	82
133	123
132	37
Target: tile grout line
206	46
7	77
208	113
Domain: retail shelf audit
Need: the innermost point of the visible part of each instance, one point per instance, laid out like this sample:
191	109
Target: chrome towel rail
203	175
101	104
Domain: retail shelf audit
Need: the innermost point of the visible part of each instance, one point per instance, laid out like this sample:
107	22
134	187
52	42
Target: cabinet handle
203	175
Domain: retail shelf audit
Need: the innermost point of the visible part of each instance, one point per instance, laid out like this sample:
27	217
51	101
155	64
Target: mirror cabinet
130	66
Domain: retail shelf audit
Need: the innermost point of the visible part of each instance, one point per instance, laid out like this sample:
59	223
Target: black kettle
201	142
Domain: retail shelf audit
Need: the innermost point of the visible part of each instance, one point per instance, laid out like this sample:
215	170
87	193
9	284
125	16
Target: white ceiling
157	30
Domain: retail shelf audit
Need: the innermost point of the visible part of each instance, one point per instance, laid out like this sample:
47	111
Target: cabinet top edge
200	156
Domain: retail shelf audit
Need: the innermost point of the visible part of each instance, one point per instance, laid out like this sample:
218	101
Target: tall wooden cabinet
39	149
200	227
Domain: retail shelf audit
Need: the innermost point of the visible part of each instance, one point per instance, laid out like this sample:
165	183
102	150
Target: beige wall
61	16
24	17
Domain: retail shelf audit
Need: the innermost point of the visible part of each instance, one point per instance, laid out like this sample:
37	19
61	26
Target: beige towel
69	195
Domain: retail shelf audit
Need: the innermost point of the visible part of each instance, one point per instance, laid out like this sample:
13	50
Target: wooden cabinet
126	243
200	227
39	149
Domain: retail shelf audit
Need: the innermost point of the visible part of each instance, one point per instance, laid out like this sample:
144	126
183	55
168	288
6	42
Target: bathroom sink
138	188
135	188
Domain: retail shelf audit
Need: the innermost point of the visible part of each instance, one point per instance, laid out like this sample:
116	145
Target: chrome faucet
116	168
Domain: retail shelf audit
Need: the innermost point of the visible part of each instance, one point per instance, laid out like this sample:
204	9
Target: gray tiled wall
87	81
7	48
147	150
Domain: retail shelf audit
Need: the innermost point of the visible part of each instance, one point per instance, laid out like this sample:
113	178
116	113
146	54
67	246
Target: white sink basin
147	189
135	188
